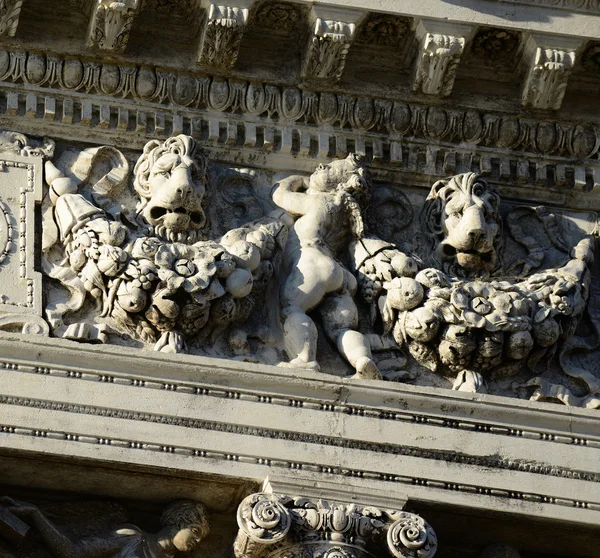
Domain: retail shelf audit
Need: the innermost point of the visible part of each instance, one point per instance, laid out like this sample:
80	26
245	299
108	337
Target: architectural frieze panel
550	61
110	24
269	144
396	118
332	34
222	33
441	46
276	525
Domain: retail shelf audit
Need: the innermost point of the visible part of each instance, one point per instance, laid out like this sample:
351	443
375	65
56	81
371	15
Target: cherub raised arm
329	211
184	524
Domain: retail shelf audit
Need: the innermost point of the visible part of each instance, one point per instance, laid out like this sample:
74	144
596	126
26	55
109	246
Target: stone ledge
481	451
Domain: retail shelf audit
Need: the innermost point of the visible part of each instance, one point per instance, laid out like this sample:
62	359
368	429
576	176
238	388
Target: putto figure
184	525
158	274
329	211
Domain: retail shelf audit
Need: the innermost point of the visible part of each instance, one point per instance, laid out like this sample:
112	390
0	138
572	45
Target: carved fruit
518	345
421	324
132	299
77	260
546	333
404	293
239	283
404	265
246	255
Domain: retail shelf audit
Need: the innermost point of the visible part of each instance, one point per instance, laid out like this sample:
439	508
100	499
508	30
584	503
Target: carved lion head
170	179
461	215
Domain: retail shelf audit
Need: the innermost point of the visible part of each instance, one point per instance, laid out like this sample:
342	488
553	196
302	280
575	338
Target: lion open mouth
469	259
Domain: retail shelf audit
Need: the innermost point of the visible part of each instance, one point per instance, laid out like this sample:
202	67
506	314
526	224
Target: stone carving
437	63
471	127
329	212
220	43
111	23
9	17
184	525
153	272
275	525
496	45
590	60
475	313
21	161
384	29
278	15
328	46
546	82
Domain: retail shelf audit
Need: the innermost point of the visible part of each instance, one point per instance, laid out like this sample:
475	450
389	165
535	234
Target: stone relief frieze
97	529
170	251
156	270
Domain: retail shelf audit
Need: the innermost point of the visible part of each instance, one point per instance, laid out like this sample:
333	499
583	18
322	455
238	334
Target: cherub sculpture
329	211
184	525
156	274
472	314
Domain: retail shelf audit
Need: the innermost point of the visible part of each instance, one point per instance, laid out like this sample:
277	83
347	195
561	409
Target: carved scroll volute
263	522
411	536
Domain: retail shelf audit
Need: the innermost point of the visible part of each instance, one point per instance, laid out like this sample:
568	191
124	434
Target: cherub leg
300	335
340	320
313	276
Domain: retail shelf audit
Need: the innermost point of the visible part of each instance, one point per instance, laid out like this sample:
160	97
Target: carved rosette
546	82
326	55
111	23
280	526
437	63
223	32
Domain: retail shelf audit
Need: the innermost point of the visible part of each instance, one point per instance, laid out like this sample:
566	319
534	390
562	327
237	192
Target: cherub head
170	179
461	215
187	523
350	178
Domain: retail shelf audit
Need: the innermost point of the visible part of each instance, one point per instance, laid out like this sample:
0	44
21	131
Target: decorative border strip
298	465
255	139
393	449
393	118
307	403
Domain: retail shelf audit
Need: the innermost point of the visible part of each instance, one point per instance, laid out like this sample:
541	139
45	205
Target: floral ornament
190	268
484	306
146	247
142	273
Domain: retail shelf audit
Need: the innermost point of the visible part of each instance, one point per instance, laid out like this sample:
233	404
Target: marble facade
262	297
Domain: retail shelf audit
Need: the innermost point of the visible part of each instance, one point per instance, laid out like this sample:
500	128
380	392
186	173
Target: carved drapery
274	526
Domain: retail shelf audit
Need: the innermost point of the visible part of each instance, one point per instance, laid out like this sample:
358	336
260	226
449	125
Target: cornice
392	118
